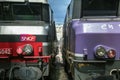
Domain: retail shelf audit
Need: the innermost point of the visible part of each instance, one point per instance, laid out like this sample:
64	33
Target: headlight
19	50
28	49
111	53
100	52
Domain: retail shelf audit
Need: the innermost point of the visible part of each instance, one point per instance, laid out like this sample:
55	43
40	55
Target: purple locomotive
91	49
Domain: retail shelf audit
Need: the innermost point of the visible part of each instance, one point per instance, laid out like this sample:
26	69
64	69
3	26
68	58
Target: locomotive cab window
0	10
99	7
31	12
5	11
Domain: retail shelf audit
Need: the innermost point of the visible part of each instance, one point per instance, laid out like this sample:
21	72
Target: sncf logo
27	38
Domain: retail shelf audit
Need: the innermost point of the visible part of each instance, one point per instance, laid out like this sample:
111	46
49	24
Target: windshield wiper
29	7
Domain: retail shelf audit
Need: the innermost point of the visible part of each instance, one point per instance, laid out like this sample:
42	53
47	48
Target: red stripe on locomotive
9	50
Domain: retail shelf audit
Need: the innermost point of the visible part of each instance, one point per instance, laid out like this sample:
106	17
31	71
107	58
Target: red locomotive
27	34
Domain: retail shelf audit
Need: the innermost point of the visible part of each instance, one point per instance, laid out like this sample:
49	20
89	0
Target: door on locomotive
27	36
91	40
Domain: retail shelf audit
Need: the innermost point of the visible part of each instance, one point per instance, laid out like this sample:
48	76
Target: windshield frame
22	17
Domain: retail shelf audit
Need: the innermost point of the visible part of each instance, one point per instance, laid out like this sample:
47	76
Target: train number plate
5	50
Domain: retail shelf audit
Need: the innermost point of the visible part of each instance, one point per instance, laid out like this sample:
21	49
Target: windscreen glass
99	7
24	11
0	9
30	12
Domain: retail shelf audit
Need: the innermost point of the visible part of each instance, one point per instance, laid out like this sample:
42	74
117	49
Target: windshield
0	11
99	7
26	11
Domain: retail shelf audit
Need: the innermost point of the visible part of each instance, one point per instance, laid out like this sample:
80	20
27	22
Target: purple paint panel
90	34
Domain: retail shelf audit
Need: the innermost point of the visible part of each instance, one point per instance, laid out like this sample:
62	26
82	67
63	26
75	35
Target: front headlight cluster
25	50
28	49
102	52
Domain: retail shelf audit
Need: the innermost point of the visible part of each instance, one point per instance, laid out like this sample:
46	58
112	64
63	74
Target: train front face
24	53
97	50
93	40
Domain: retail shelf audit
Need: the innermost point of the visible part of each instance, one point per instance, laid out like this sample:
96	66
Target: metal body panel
89	41
95	26
17	30
87	35
42	1
28	30
12	0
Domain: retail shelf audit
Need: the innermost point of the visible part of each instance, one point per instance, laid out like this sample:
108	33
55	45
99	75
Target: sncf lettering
28	38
